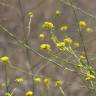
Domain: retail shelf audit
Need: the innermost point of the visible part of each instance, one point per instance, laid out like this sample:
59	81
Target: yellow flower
60	45
80	66
82	57
2	85
82	24
37	79
89	30
90	76
30	14
29	93
19	80
67	40
90	68
47	25
7	94
59	83
76	44
58	12
64	28
45	46
4	59
42	36
54	39
46	81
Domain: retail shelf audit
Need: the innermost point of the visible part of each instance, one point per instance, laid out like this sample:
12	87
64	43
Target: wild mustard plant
80	60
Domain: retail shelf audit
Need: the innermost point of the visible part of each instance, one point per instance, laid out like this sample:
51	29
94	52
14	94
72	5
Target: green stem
62	91
6	78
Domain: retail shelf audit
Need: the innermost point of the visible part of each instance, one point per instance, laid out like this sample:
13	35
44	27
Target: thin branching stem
6	78
77	8
62	91
80	34
33	50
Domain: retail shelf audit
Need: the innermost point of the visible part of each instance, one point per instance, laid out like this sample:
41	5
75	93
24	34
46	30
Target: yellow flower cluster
4	59
76	44
45	46
54	39
64	28
90	76
47	25
42	36
37	79
7	94
60	45
80	66
89	30
47	81
29	93
82	57
19	80
82	24
67	40
59	83
30	14
58	12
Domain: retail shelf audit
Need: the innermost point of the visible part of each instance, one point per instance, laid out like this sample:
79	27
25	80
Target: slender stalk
22	16
6	78
62	91
13	91
80	34
26	38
